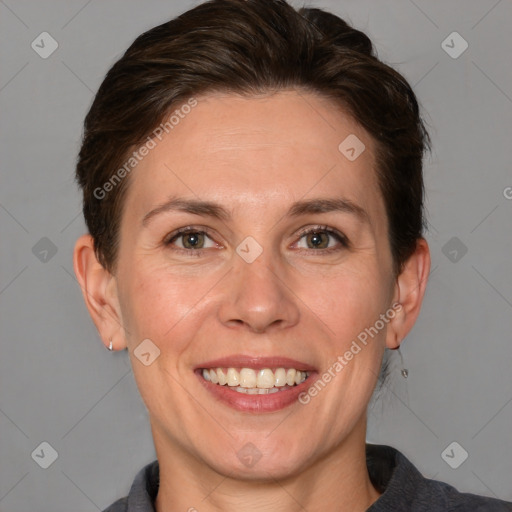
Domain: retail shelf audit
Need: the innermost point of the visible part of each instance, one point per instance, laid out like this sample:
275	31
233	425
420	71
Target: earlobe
409	292
99	290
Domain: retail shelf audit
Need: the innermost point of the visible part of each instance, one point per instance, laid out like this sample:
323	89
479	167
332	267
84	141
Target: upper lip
256	362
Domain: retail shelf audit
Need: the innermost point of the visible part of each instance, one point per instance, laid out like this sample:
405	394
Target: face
284	263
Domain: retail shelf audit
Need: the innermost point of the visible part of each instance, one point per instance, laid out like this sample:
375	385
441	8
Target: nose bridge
257	295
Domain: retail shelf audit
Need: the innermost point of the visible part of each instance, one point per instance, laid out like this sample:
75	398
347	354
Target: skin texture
255	156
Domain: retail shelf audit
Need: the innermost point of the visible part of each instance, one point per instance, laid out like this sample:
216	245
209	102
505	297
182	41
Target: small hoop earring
110	345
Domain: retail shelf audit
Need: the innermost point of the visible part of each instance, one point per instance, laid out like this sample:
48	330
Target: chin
258	464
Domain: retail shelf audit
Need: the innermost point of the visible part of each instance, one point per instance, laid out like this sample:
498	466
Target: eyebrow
297	209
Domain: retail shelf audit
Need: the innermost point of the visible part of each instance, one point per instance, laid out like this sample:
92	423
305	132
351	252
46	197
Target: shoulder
142	493
404	488
121	505
450	499
446	498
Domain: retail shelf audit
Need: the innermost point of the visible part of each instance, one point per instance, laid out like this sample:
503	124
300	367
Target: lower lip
256	403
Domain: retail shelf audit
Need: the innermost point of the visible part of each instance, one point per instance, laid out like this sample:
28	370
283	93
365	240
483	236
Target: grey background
58	383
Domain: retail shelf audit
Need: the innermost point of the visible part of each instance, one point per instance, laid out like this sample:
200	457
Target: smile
255	382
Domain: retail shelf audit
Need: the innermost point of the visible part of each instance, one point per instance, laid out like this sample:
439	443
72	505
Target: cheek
349	300
156	300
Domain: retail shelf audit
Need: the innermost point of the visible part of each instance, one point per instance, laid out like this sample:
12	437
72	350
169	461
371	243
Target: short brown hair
252	47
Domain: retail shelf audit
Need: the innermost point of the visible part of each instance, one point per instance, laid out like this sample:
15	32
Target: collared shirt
403	489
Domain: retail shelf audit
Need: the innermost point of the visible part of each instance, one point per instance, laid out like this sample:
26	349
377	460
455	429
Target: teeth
265	379
256	391
248	378
233	377
253	382
221	377
280	377
290	377
213	376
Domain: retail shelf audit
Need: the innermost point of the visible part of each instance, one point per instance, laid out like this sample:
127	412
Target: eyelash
316	229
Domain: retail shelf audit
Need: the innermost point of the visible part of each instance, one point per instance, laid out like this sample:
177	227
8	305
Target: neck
337	482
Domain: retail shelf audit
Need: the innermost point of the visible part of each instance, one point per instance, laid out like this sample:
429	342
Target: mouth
253	381
255	384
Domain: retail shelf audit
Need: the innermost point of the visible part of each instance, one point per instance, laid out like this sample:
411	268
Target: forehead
258	151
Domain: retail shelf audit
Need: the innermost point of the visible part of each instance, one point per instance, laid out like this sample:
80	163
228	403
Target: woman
252	180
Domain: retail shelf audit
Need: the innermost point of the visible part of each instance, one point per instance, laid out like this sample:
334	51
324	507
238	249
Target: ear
99	289
409	292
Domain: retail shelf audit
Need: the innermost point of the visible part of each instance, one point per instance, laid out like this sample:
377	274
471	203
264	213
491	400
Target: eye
319	239
190	239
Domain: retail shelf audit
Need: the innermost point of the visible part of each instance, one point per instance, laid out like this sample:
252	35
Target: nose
258	297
